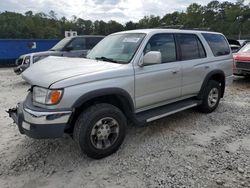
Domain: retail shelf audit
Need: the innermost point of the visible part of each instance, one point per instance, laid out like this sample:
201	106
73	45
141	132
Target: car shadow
244	79
20	83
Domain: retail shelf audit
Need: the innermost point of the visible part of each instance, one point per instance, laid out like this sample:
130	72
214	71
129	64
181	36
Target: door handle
175	71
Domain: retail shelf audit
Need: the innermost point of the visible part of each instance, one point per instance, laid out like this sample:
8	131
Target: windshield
61	44
245	48
118	48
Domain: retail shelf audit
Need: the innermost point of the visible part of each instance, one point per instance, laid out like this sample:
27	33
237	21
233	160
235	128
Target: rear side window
217	43
190	47
92	41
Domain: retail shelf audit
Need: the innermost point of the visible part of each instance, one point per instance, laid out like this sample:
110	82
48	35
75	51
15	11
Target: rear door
194	63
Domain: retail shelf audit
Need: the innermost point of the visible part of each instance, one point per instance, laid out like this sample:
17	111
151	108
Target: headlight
27	60
19	61
46	96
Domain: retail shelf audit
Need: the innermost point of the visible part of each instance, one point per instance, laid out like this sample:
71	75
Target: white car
77	46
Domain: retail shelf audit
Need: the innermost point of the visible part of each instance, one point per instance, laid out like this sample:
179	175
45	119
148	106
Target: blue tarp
11	49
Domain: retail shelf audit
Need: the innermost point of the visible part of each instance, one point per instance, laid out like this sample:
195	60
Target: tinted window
77	44
217	43
92	41
191	47
163	43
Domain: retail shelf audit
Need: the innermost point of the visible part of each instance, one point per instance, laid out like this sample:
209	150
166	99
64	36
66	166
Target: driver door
158	84
77	48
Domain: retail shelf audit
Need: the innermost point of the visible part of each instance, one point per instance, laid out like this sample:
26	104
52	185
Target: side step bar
163	111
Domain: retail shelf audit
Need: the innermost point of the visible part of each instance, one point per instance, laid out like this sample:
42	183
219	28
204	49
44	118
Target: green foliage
232	19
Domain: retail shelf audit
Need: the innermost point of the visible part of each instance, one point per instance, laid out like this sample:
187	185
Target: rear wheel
211	97
100	130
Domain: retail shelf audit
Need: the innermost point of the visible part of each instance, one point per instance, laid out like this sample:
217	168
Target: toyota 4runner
133	76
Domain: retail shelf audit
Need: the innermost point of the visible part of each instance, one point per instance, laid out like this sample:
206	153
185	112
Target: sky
118	10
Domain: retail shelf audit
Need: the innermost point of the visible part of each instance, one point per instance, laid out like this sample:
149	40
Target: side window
163	43
217	43
77	44
92	41
191	47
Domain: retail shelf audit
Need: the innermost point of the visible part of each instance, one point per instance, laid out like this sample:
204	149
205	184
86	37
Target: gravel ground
187	149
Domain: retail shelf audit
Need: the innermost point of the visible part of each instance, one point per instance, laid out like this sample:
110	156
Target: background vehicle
137	76
234	45
12	49
243	42
77	46
242	61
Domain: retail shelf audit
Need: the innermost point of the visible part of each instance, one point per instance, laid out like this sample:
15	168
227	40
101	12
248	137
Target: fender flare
120	93
208	77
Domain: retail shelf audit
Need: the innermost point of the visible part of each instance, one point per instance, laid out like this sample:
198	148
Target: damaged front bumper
38	122
19	69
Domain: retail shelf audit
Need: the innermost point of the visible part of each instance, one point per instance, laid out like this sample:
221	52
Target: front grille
243	65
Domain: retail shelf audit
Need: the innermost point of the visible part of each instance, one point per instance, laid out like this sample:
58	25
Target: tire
92	134
209	103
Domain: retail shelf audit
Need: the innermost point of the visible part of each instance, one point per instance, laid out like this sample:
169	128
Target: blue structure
11	49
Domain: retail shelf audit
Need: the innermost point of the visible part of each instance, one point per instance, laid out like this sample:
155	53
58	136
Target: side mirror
152	57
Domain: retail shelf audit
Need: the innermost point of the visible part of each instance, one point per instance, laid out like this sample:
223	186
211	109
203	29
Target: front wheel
211	97
100	130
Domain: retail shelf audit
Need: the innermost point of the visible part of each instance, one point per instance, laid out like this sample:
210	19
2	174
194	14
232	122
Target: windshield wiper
106	59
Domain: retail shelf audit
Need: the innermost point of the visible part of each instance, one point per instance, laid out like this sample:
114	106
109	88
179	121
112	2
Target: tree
149	22
232	19
52	15
28	13
130	25
113	26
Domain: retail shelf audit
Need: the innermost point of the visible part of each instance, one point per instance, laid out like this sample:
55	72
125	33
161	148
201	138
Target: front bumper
19	69
241	68
39	123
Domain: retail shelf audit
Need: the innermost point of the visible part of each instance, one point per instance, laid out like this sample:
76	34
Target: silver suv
133	76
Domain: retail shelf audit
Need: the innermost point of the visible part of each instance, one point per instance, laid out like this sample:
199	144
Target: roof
88	36
148	31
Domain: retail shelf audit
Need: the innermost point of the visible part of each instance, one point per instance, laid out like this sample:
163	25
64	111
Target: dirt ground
187	149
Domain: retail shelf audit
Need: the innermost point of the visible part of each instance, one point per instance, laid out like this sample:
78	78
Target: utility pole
239	18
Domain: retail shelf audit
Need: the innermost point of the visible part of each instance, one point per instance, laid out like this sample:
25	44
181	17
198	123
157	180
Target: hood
241	56
43	53
54	69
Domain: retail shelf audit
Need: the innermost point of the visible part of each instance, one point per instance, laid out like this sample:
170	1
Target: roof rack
202	29
171	27
182	27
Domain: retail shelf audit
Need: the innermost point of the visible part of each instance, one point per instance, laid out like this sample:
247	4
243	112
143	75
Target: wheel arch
217	75
115	96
